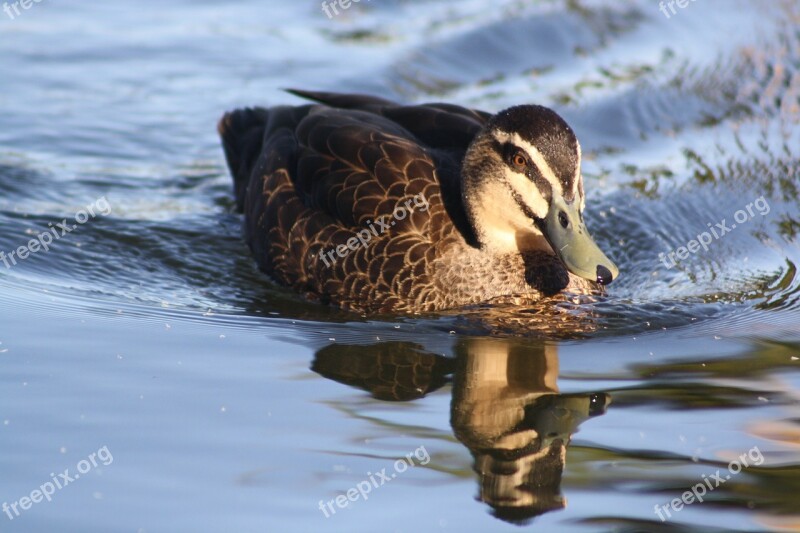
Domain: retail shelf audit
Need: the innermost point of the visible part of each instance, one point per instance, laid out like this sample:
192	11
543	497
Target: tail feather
242	133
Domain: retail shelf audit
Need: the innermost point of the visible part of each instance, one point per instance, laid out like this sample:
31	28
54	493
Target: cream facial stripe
535	155
522	187
577	179
578	184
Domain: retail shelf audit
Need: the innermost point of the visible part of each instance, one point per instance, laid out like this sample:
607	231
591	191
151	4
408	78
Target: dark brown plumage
312	179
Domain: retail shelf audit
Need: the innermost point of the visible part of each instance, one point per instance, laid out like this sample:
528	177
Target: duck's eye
519	160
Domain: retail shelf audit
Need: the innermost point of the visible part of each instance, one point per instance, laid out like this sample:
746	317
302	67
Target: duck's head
523	190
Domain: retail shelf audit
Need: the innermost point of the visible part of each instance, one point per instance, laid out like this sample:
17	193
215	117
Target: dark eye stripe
533	173
542	184
524	208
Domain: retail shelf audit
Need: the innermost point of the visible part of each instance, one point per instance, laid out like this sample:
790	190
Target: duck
378	207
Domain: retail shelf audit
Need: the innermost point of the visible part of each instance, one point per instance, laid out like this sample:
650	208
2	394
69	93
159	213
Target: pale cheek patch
528	192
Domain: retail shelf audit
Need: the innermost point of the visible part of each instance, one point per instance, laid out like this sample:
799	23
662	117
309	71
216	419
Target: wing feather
324	173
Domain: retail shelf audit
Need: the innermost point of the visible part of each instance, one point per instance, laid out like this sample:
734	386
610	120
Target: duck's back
353	201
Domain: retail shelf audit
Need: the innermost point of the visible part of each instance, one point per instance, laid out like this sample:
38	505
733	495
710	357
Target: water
229	404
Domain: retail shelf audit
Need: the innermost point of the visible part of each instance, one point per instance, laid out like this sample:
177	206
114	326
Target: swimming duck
379	207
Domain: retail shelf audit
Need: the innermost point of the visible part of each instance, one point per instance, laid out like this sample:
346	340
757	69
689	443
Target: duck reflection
506	409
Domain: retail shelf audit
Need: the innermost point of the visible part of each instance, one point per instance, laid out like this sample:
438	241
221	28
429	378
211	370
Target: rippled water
230	404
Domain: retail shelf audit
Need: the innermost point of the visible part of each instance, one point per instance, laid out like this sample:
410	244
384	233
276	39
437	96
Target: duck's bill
573	244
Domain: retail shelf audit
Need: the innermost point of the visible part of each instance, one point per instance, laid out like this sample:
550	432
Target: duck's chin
532	240
514	239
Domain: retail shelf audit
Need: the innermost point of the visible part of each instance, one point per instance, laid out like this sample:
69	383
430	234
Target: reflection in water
506	410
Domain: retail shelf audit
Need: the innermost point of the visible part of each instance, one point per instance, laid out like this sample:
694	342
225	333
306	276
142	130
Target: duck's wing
438	125
318	178
413	136
350	165
361	102
443	126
